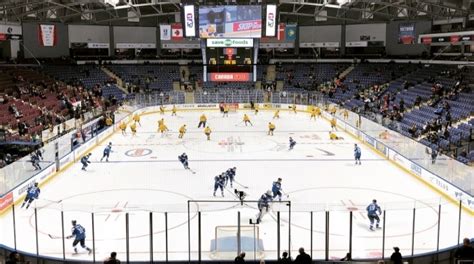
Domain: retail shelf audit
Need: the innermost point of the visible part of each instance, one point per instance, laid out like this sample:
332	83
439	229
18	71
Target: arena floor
144	175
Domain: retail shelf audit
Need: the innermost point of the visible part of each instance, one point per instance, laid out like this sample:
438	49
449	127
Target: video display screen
242	21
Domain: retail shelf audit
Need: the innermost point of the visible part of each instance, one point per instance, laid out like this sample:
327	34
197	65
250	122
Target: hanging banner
47	35
406	33
189	20
165	32
176	31
281	31
270	21
290	32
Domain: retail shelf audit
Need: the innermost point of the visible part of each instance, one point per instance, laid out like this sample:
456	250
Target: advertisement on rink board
6	201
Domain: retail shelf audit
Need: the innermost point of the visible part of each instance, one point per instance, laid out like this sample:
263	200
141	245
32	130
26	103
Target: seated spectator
466	251
417	100
13	258
112	259
348	257
396	257
284	259
240	259
413	130
303	258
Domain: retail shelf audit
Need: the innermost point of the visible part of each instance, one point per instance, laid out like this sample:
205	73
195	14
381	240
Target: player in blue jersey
373	212
276	189
85	161
34	159
32	194
292	143
107	151
229	176
79	235
183	158
357	154
219	183
264	205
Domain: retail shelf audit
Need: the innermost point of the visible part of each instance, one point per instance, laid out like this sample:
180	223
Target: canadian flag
176	31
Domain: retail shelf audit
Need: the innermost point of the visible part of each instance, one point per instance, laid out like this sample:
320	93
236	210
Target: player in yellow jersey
345	114
173	110
136	119
333	124
226	111
276	114
133	127
313	114
255	107
163	128
160	123
293	108
123	127
108	121
332	110
202	121
182	130
271	128
162	110
207	132
318	111
333	136
246	120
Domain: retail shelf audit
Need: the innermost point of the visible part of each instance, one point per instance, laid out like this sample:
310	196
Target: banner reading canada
229	77
47	35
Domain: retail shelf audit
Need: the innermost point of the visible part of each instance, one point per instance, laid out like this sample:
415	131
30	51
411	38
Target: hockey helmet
279	179
73	222
269	193
374	201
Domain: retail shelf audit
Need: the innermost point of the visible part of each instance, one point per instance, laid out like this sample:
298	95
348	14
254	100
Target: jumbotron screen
235	21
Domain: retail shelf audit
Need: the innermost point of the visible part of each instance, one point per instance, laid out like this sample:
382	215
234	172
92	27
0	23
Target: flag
290	32
165	32
176	31
281	31
47	35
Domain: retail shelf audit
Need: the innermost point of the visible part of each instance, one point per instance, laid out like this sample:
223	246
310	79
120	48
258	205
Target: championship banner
165	32
190	23
176	31
406	33
47	35
270	21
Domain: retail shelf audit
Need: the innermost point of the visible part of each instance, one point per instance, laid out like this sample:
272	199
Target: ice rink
319	175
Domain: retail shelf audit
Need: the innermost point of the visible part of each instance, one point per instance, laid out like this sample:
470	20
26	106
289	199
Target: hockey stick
241	185
54	237
52	201
191	171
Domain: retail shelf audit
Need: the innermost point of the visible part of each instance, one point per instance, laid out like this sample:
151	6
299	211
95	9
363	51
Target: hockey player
219	182
276	189
357	154
202	121
293	108
229	176
292	143
39	154
79	235
34	159
123	127
136	119
276	114
162	110
333	136
107	151
163	128
207	132
174	110
183	158
85	161
271	128
255	107
345	114
333	124
373	212
264	205
313	113
240	194
32	194
246	120
182	130
226	111
133	128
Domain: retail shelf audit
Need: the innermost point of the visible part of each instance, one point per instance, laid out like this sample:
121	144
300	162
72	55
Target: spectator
13	258
396	257
466	251
240	258
284	258
112	259
303	258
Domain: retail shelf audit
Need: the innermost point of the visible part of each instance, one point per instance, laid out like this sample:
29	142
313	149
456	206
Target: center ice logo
232	144
139	152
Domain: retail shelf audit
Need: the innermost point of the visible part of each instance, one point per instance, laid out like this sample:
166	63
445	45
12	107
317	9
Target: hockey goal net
226	244
233	107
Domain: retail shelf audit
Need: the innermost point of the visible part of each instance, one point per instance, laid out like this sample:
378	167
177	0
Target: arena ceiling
151	12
